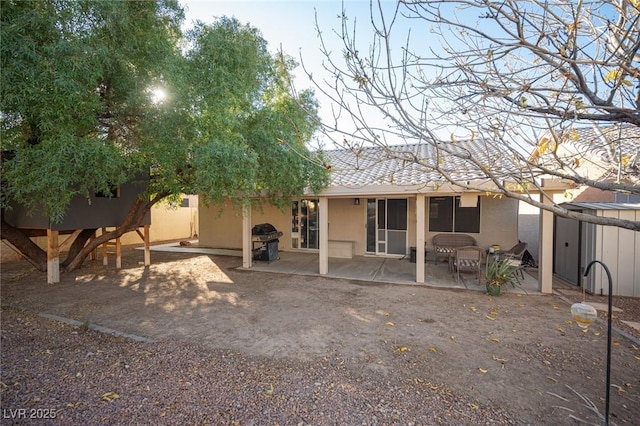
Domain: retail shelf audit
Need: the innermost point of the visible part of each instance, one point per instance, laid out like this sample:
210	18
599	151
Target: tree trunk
79	249
29	249
77	245
132	222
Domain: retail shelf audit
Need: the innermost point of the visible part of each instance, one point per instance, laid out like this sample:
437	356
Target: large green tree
93	93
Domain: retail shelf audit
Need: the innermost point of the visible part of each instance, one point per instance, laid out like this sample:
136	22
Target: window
113	192
446	215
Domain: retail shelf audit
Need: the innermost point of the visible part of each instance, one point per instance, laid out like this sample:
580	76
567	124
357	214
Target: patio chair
468	258
445	244
513	257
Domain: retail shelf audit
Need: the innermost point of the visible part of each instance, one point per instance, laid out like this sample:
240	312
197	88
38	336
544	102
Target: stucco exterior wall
347	222
221	225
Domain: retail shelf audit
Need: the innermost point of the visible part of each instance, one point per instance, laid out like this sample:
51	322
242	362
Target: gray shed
577	243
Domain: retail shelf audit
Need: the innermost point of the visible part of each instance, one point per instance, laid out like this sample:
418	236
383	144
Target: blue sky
284	24
290	25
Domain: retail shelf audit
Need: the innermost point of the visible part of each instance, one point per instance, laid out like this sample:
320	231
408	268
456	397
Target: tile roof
412	164
603	143
422	163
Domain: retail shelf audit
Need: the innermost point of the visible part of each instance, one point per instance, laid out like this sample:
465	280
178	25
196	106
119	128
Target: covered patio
373	269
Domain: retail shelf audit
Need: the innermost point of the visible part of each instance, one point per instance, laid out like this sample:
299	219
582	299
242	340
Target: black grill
265	242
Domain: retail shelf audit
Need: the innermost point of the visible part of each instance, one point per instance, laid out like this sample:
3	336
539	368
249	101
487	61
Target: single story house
383	201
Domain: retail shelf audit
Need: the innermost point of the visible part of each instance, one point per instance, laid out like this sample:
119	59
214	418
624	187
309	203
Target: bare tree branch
548	89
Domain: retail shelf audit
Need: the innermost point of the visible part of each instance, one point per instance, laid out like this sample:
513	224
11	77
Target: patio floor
361	268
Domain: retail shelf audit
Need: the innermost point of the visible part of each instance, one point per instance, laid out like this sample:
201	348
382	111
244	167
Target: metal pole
606	404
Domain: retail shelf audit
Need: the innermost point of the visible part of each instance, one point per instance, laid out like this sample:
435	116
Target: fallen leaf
494	313
620	388
473	406
269	390
453	337
473	308
403	349
615	343
390	324
490	318
636	357
482	370
433	349
500	360
556	308
552	379
110	396
495	339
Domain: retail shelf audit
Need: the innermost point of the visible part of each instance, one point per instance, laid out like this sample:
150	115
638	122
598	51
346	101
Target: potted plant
499	273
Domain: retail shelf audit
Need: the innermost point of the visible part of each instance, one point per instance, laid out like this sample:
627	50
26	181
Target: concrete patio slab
362	268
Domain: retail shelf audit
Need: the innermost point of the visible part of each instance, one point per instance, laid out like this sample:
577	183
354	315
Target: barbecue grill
264	238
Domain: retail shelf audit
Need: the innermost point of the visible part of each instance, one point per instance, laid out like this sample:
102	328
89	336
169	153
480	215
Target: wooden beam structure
145	238
53	257
106	250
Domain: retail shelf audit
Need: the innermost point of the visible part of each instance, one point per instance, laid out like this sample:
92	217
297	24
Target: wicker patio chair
513	257
445	244
468	259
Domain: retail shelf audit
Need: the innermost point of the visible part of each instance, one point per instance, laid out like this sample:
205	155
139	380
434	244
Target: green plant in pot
498	274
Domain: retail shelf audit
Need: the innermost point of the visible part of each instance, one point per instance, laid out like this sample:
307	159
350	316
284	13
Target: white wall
529	227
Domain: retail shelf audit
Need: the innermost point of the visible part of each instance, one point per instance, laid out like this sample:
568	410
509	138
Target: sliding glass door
304	224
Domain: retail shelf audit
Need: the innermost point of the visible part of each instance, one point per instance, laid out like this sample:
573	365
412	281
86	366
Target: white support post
247	245
420	224
324	235
545	256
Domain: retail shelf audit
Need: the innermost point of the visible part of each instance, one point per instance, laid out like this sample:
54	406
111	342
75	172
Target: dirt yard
240	347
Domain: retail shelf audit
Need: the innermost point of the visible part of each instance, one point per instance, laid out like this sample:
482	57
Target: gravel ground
81	376
233	347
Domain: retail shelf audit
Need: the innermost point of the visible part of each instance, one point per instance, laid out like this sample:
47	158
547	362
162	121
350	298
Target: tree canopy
524	77
93	93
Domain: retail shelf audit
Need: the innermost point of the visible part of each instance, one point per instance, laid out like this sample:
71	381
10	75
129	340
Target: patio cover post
247	245
420	223
323	207
545	255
